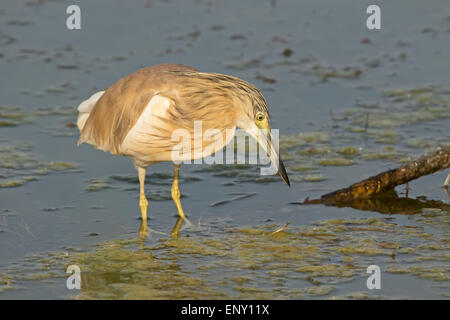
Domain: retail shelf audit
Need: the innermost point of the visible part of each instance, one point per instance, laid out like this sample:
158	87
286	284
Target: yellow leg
143	204
176	190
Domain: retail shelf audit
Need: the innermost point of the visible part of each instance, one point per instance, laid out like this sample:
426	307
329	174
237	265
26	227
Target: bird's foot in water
177	227
143	205
143	229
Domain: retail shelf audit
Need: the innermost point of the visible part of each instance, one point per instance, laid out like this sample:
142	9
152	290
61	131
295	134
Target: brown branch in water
388	180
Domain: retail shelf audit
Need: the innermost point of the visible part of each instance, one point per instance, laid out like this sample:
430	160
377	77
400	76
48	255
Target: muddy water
349	103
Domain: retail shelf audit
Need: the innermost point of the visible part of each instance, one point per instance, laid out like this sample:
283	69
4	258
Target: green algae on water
18	165
249	261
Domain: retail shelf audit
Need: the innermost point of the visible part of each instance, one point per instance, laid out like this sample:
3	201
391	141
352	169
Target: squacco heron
137	115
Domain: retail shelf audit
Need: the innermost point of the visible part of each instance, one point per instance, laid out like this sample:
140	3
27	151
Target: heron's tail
85	108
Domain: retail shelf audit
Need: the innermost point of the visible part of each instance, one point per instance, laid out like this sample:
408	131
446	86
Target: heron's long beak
282	172
265	140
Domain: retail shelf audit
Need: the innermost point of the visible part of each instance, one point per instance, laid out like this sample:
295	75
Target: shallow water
349	103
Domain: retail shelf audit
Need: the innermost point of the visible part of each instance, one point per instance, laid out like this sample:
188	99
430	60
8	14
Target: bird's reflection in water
387	203
144	230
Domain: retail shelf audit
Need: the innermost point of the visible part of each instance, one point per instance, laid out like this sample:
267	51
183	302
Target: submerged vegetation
251	262
18	164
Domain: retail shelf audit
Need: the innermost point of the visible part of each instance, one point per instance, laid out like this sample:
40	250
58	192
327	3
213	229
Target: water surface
349	103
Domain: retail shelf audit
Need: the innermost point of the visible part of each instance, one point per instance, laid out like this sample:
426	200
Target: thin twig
281	229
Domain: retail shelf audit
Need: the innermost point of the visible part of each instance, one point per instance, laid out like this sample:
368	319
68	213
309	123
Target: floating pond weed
18	165
240	263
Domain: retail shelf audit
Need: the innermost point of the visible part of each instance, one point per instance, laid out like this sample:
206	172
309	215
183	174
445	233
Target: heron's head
212	94
255	120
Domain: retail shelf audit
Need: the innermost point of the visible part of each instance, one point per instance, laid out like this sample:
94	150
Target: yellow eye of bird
260	117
